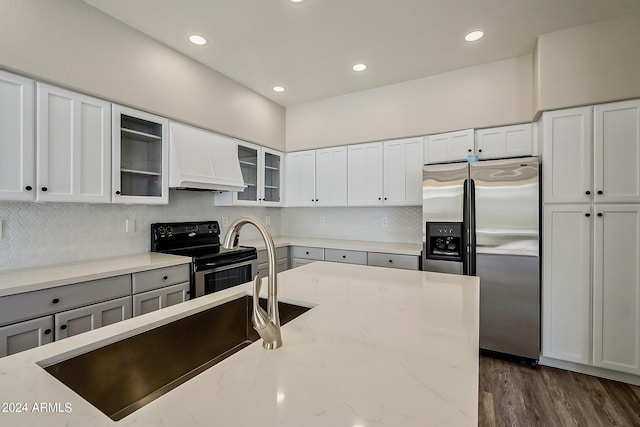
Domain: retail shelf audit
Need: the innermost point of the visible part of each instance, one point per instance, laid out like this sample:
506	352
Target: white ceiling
310	47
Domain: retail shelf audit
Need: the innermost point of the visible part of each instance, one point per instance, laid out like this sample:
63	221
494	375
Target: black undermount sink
124	376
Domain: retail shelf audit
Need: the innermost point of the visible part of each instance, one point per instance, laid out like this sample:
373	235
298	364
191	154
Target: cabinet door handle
28	188
385	198
379	198
44	188
47	331
63	327
587	192
55	300
600	213
118	192
587	215
469	150
480	150
600	192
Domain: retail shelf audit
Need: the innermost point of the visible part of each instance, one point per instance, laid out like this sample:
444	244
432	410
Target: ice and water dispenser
444	247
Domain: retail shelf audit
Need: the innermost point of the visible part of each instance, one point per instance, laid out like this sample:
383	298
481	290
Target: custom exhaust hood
203	160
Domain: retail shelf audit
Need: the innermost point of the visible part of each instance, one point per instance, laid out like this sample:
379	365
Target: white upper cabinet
385	173
505	141
617	152
17	143
568	155
317	177
301	178
331	176
403	172
140	157
262	172
365	174
73	147
448	147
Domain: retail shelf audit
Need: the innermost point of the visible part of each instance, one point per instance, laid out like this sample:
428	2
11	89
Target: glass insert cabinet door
140	157
272	177
248	157
262	173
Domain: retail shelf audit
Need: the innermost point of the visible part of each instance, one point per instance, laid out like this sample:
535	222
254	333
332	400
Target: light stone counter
380	347
347	245
49	276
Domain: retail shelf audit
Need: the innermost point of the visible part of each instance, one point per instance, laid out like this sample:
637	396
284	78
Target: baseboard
590	370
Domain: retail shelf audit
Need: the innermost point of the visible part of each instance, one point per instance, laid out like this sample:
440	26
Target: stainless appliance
213	268
490	208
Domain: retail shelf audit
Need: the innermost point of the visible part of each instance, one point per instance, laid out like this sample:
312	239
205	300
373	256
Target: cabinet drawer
349	257
14	308
408	262
307	253
281	252
159	278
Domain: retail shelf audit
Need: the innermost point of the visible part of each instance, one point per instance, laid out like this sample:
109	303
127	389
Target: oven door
216	276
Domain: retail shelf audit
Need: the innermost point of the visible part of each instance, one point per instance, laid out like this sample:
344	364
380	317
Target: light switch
322	220
384	221
129	225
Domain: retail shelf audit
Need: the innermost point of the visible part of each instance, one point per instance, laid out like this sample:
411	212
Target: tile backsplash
50	233
381	224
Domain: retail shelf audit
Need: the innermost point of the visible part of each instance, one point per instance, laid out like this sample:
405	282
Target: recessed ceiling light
278	89
359	67
196	39
474	35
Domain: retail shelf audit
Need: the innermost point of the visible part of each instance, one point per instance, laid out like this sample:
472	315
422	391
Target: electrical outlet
322	221
225	221
267	220
384	221
129	225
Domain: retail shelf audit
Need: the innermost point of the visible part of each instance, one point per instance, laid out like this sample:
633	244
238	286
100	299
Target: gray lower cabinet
282	256
301	255
25	335
347	257
94	316
407	262
153	300
160	288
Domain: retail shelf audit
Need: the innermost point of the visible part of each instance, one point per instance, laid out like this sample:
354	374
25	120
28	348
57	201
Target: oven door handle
228	261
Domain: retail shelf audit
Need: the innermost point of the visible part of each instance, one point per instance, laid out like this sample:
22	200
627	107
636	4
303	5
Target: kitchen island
380	347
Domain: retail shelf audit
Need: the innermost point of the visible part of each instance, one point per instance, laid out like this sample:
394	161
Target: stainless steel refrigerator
482	219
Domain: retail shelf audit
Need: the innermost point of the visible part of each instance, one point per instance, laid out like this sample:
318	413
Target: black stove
213	267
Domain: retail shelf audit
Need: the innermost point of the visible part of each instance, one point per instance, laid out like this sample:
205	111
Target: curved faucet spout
267	324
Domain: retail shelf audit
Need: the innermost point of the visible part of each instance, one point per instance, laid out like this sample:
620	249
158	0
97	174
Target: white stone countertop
380	347
48	276
351	245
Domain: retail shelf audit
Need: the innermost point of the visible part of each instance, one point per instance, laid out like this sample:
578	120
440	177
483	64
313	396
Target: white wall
493	94
50	233
72	44
589	64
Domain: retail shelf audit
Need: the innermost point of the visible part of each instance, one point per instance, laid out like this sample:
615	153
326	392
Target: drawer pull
307	253
344	256
165	277
47	331
63	327
391	260
55	300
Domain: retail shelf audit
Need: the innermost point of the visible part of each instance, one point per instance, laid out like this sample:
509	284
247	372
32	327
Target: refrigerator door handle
471	228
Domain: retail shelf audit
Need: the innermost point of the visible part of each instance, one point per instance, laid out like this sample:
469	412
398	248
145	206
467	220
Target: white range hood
202	160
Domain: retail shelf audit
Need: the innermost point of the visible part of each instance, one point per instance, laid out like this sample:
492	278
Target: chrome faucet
267	324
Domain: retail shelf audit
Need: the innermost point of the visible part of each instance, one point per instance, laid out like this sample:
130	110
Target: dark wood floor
517	395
